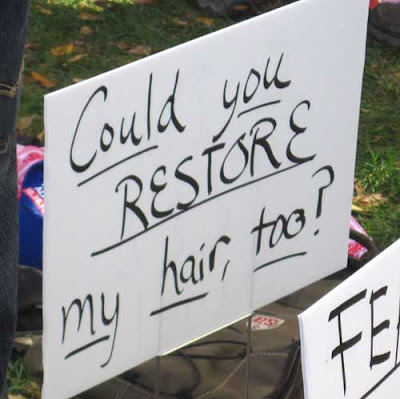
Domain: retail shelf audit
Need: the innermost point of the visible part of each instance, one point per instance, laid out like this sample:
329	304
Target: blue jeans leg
13	25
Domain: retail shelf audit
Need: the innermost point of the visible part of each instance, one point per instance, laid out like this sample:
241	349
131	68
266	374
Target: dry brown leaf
40	137
30	45
65	49
42	80
44	11
145	2
16	397
180	22
140	50
33	389
205	21
76	80
77	57
85	16
85	30
122	45
367	201
25	122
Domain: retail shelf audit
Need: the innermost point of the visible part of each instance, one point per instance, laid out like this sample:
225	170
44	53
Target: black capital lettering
345	345
263	143
131	204
375	330
238	144
157	188
209	151
297	130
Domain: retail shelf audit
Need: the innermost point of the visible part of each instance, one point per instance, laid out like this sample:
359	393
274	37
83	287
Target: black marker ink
170	103
79	168
107	321
297	131
228	104
77	303
209	151
189	180
375	330
345	345
248	97
277	82
157	189
245	155
172	267
263	143
131	132
131	204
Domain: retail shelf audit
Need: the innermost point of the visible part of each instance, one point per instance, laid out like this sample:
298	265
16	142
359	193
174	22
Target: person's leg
384	21
13	20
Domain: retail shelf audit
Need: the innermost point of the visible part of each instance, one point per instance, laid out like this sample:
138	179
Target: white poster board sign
187	189
350	338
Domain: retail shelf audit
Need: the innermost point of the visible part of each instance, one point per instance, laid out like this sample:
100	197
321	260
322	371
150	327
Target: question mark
329	169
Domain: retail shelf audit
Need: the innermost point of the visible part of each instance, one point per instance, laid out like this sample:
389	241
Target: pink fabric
356	250
27	155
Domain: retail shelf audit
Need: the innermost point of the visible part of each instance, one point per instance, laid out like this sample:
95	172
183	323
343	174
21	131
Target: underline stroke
87	346
177	304
136	154
279	260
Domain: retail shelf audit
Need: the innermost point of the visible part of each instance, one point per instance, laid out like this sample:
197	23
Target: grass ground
71	40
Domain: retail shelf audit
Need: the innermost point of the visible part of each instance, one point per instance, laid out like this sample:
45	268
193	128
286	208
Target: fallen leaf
140	50
122	45
76	80
77	57
30	45
44	11
180	22
377	138
16	397
65	49
205	21
25	122
40	137
367	201
85	30
42	80
355	208
145	2
241	7
85	16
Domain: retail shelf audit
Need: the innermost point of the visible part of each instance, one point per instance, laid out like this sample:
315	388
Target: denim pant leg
13	20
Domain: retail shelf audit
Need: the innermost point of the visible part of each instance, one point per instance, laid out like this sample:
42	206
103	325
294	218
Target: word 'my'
74	315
